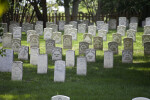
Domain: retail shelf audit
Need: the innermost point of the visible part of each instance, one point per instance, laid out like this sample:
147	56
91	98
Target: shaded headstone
70	58
59	71
98	43
29	33
133	26
39	22
92	30
39	29
6	60
4	25
127	56
112	24
54	27
48	24
122	21
42	63
134	20
60	97
23	53
99	24
113	46
81	28
17	33
82	47
61	25
81	66
67	42
146	48
50	44
34	40
57	53
147	21
146	29
131	34
57	37
34	52
108	59
128	44
121	30
145	38
104	27
47	33
73	33
103	34
27	26
7	40
66	29
16	44
143	23
17	70
73	23
117	38
11	26
87	38
90	55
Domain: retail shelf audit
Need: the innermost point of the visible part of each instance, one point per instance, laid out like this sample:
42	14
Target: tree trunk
44	12
67	12
98	12
12	10
75	10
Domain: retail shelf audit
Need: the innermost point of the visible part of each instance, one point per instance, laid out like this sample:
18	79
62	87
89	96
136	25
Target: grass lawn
123	82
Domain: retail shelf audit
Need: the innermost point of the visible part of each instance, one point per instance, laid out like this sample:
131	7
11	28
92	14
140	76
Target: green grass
123	82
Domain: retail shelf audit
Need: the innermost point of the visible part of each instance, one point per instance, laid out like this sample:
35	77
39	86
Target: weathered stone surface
98	43
48	24
81	66
17	70
7	40
34	52
57	37
121	30
16	44
42	64
61	25
134	20
128	44
59	71
34	40
81	28
92	30
4	25
27	26
112	24
66	29
39	29
104	27
146	48
70	58
11	26
82	47
145	38
99	25
54	27
131	34
146	29
103	34
57	53
73	23
47	33
140	98
50	44
39	22
127	56
90	55
23	53
67	42
6	60
117	38
147	21
60	97
122	21
87	38
113	46
108	59
133	26
17	33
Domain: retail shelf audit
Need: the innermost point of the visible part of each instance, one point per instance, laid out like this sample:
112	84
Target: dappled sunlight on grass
14	97
140	69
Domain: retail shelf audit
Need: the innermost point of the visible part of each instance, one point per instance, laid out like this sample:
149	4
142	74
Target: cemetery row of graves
75	45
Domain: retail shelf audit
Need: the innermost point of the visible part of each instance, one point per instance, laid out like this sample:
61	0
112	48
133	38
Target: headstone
104	27
140	98
66	29
61	25
54	27
81	66
133	26
42	63
39	22
29	33
92	30
134	20
113	46
27	26
60	97
67	42
122	21
98	43
48	24
39	29
103	34
128	44
147	21
73	33
131	34
47	33
6	60
34	40
87	38
70	58
34	52
4	25
90	55
16	43
23	53
146	29
121	30
81	28
108	59
59	71
145	38
50	44
127	23
7	40
57	53
11	26
17	70
143	23
57	37
17	33
14	22
82	47
112	24
127	56
117	38
86	22
73	23
99	24
146	48
1	34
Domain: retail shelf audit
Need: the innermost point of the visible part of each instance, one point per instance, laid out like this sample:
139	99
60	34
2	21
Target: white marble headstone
70	58
108	59
60	97
81	66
